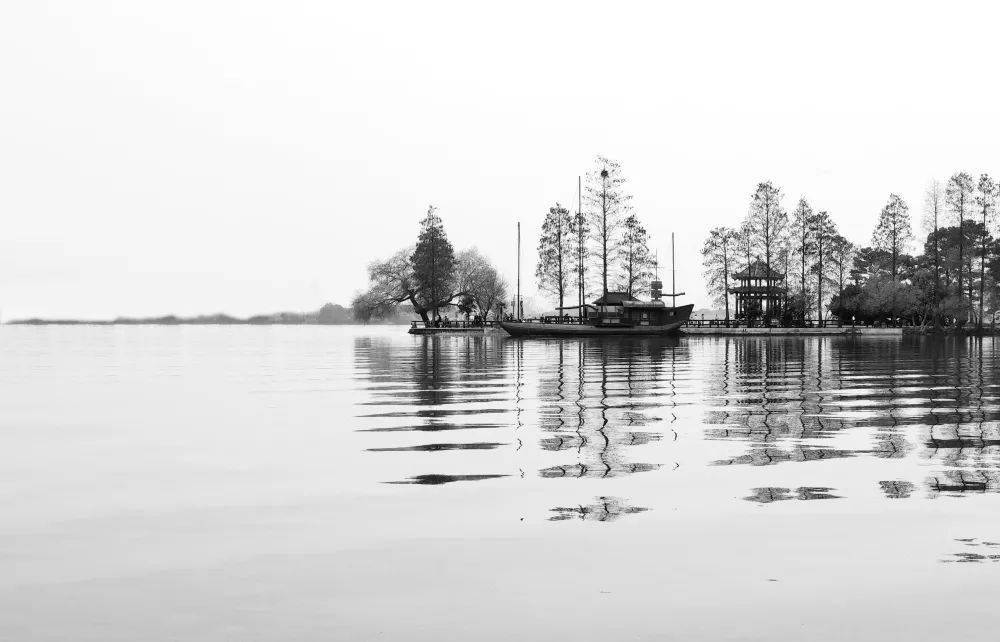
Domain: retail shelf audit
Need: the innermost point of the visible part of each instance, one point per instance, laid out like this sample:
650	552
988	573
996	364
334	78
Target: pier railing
740	323
564	319
456	324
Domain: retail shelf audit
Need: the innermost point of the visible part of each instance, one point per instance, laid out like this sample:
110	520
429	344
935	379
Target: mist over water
270	483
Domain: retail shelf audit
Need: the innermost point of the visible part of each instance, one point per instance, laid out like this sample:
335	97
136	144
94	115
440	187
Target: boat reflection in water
504	409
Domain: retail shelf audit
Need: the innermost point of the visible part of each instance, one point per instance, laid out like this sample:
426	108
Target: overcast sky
197	157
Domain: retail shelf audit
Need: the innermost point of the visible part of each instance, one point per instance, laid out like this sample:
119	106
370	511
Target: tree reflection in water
599	407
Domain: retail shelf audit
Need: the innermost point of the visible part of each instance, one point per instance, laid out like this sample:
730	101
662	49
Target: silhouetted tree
478	278
802	239
869	263
958	196
633	256
433	262
555	247
390	282
393	281
744	243
580	231
986	202
893	232
824	231
933	211
768	222
841	256
466	305
607	206
719	258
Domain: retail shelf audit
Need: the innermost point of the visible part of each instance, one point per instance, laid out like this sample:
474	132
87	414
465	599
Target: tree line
430	276
952	279
602	247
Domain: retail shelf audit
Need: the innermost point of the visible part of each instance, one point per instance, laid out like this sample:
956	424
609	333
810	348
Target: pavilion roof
758	270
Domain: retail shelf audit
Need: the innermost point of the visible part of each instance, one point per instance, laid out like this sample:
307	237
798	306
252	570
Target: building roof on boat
615	298
627	300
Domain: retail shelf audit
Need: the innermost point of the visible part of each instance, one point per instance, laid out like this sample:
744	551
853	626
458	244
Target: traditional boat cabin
622	309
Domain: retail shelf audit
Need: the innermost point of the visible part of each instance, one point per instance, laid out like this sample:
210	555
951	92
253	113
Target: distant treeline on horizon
329	314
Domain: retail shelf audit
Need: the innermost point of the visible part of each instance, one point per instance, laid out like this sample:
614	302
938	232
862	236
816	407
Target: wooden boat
615	314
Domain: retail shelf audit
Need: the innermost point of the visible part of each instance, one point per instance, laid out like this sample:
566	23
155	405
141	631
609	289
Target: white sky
197	157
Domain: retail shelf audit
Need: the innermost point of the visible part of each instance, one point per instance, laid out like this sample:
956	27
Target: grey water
356	483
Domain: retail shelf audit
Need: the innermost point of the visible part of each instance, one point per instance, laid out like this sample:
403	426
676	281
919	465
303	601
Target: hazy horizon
254	157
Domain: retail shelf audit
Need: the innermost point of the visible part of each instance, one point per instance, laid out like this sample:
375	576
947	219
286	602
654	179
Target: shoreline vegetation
603	247
784	268
329	314
430	276
806	271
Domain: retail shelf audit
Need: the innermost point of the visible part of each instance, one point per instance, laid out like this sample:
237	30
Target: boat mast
673	274
518	302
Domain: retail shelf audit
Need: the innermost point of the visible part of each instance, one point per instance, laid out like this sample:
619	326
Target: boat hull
538	329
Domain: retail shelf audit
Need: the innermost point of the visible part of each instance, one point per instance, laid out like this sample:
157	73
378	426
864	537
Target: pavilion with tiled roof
759	292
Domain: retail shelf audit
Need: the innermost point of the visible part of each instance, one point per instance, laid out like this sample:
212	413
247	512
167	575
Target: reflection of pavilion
760	292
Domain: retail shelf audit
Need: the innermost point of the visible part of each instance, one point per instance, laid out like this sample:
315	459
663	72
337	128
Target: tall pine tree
433	263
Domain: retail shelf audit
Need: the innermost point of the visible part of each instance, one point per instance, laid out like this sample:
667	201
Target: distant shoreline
188	322
329	314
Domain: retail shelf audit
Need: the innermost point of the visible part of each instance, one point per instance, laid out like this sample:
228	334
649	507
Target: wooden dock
423	330
452	327
792	332
697	328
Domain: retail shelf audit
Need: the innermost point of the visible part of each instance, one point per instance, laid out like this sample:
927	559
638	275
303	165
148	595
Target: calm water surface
349	483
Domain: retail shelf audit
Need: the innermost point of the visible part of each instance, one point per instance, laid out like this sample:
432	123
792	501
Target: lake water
356	483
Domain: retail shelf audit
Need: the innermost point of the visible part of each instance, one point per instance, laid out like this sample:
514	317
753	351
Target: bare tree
391	282
893	232
986	203
784	260
580	231
555	248
744	242
607	206
958	196
634	256
767	220
719	258
841	255
488	289
802	239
